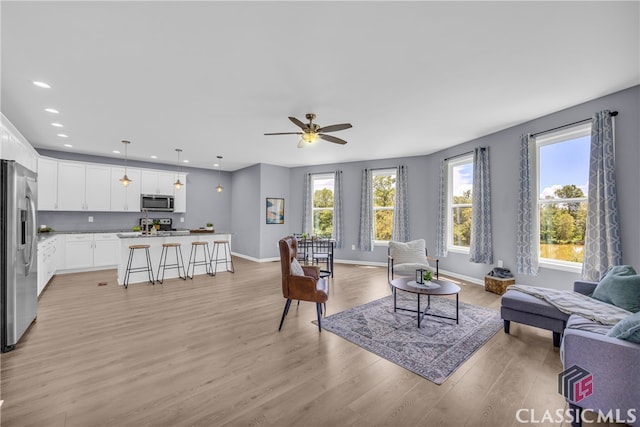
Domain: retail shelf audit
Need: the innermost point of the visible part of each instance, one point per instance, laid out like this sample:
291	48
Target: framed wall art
275	210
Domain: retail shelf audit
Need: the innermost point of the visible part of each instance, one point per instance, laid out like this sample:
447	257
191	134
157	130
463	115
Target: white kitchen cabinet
48	254
106	249
83	187
180	196
14	146
97	188
47	184
87	250
155	182
125	199
78	251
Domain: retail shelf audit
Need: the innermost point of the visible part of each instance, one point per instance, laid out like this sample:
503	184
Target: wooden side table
497	285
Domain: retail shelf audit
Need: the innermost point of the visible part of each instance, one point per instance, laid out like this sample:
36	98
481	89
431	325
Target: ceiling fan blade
334	128
332	139
284	133
299	123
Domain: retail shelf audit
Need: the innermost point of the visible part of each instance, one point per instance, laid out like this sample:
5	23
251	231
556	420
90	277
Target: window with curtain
562	160
383	186
459	201
322	204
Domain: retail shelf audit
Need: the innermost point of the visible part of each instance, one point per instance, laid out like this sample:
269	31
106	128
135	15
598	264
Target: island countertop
174	233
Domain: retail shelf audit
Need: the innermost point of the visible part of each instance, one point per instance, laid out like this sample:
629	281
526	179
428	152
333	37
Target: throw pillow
408	253
627	329
296	268
620	287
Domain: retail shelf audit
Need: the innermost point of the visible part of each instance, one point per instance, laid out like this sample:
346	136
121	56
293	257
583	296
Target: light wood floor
208	352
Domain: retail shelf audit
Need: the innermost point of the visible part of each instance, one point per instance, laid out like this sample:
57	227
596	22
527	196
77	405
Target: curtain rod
613	114
458	155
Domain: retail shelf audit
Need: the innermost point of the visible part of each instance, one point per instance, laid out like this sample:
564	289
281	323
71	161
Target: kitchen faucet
146	221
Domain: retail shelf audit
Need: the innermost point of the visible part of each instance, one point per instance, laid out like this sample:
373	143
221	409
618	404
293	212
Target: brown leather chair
309	287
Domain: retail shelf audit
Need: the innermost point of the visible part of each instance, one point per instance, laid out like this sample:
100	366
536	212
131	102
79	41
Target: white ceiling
212	77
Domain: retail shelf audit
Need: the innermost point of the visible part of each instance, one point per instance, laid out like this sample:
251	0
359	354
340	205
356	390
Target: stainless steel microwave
156	202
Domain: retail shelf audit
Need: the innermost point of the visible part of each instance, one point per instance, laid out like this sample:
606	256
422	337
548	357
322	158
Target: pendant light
219	187
178	184
125	181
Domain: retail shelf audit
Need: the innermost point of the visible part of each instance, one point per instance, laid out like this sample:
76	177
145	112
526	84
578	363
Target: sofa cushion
296	268
620	287
627	329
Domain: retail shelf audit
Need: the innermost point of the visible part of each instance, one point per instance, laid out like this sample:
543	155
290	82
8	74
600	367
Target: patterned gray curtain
365	237
400	229
527	248
307	207
481	250
338	226
602	246
441	230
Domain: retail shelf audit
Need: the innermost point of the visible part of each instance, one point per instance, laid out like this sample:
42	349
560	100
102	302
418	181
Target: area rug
433	351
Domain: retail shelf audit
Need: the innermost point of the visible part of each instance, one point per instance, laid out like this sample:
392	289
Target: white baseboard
463	277
250	258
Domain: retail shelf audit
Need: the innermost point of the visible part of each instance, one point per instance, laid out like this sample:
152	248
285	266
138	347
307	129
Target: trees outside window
460	174
563	174
323	199
384	194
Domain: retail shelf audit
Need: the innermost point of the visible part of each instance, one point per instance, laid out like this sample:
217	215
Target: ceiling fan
311	131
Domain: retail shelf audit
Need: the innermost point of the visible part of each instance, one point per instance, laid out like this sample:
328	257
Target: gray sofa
613	363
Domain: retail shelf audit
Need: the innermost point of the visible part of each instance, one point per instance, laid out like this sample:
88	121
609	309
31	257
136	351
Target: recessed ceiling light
68	145
51	110
42	85
215	165
185	161
58	125
63	135
154	157
116	152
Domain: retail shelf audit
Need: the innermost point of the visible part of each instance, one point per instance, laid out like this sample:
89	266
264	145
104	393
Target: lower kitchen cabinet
48	260
87	250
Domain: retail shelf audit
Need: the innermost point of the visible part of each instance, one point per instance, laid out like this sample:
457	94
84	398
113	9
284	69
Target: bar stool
227	252
193	255
147	268
163	262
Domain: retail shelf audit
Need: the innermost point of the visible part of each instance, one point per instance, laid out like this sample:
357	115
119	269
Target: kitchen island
155	249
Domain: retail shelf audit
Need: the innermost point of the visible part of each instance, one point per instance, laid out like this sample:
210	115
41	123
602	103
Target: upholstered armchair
300	282
405	258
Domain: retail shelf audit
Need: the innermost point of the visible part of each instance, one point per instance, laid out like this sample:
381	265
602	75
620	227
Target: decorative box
497	285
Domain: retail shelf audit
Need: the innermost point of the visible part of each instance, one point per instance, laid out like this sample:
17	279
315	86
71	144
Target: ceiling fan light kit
311	132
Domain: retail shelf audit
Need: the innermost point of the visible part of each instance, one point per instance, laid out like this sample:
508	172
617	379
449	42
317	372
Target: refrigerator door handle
29	232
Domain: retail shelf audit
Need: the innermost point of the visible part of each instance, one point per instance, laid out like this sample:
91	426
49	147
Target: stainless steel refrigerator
18	252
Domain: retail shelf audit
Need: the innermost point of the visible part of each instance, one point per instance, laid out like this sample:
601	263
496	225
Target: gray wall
204	203
246	209
504	146
274	182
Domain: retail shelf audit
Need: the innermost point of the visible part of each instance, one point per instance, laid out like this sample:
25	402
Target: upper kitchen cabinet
125	199
47	184
154	182
14	146
83	187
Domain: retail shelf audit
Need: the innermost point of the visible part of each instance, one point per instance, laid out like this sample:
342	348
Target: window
563	176
460	189
322	209
384	194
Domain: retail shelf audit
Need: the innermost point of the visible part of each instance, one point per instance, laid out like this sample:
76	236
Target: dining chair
322	251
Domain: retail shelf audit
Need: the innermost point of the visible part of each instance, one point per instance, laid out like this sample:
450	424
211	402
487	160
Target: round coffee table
435	288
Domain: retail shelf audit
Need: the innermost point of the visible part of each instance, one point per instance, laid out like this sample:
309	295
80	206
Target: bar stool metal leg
163	261
130	269
193	258
226	259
